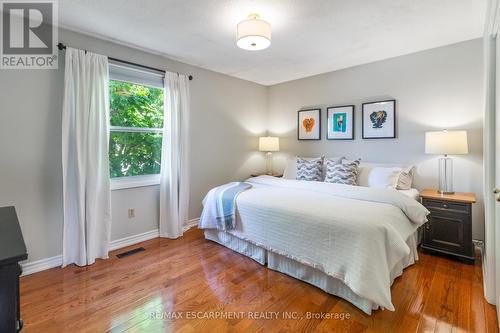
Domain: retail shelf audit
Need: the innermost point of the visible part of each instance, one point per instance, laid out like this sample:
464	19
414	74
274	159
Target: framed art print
379	120
309	124
340	122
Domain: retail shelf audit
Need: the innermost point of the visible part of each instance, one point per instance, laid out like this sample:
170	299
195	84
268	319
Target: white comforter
355	234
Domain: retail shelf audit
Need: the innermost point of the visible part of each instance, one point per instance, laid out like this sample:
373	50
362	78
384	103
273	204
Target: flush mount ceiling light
253	34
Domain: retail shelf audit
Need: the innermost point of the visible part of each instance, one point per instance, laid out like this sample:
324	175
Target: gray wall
434	89
227	115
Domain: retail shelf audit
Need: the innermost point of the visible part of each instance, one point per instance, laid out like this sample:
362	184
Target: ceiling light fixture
253	34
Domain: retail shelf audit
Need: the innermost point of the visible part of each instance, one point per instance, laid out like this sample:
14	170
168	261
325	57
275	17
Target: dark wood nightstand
449	229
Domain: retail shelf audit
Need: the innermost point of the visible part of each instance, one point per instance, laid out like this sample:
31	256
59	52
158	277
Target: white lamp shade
446	142
253	34
269	143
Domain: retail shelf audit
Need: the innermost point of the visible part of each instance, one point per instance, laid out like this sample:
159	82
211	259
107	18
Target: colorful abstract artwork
340	122
379	120
309	124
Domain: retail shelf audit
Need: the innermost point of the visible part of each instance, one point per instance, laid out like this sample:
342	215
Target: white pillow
290	171
382	177
404	176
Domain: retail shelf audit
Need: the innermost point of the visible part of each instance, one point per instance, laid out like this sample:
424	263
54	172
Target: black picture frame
353	109
364	135
318	110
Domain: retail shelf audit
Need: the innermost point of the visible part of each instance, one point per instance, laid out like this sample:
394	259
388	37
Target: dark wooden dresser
12	250
449	229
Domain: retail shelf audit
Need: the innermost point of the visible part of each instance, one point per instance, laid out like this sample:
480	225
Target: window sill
134	181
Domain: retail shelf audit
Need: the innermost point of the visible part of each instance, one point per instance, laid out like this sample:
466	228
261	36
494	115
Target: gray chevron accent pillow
310	169
342	173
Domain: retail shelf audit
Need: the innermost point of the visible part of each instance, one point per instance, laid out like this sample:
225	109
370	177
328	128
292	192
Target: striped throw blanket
219	206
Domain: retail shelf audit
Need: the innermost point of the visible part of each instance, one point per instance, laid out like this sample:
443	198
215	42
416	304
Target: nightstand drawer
447	206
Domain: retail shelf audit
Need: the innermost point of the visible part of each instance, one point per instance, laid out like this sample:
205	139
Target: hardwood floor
193	278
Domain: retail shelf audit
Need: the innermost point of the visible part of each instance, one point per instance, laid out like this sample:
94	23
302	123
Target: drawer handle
445	206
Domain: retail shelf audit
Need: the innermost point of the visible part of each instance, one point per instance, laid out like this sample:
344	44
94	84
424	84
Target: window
136	122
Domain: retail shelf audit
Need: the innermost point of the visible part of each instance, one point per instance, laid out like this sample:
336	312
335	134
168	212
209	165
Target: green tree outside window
136	119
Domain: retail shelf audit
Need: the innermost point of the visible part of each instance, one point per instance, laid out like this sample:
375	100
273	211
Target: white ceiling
309	36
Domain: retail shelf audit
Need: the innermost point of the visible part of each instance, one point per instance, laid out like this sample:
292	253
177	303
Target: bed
350	241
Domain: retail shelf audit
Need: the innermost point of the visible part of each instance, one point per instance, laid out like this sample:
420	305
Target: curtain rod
61	46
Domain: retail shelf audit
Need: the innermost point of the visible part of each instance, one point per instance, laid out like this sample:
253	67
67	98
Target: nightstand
265	174
449	229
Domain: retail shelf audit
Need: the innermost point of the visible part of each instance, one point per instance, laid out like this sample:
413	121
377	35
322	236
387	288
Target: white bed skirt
306	273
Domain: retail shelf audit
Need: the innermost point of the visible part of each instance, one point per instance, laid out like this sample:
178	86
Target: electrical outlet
131	213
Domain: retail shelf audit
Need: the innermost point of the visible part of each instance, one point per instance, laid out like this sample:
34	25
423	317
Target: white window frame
120	183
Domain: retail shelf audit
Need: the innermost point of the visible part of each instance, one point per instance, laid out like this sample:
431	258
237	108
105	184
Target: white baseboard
131	240
48	263
41	265
191	223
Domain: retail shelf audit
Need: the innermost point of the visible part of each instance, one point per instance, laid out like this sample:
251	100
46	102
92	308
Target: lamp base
269	163
445	175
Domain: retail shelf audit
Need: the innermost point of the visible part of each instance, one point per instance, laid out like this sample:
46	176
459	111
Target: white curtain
85	132
174	178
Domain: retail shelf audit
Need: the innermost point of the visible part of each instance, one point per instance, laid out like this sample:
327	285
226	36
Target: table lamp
269	144
446	143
